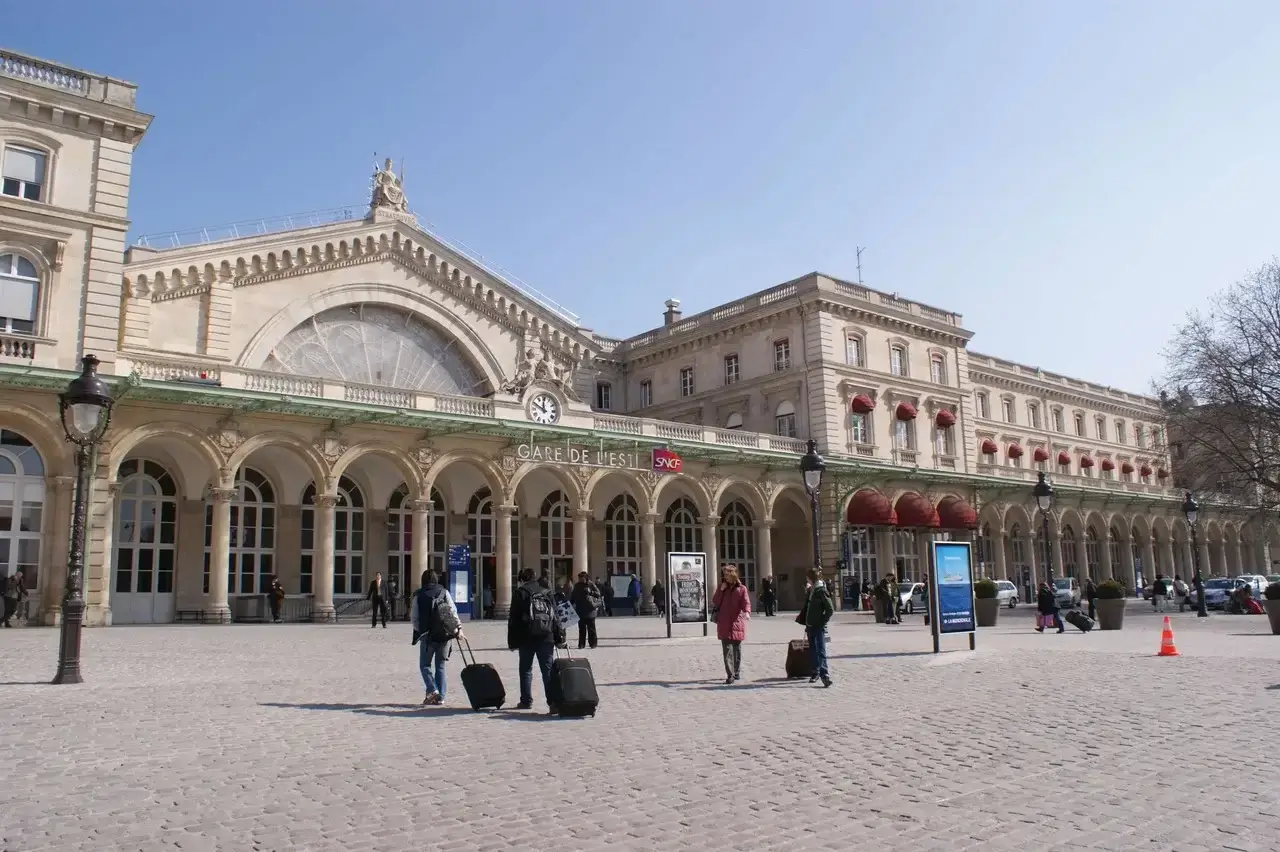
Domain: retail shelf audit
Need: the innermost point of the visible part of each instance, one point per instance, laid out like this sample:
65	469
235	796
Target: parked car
1258	582
1007	593
913	597
1216	592
1168	589
1274	578
1067	592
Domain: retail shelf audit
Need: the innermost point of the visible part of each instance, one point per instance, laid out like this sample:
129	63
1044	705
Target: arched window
21	508
1069	568
734	421
146	544
400	538
253	536
555	523
906	556
482	532
1113	543
1018	564
898	360
348	539
1092	552
680	528
862	554
784	420
19	293
622	536
986	557
737	539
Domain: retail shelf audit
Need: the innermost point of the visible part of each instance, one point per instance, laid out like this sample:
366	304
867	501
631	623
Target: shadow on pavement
665	683
525	716
881	655
1274	686
416	712
24	683
406	711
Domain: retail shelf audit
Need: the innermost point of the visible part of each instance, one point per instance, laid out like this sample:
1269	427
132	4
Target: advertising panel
953	578
687	581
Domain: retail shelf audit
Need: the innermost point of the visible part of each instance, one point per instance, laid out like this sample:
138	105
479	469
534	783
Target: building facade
327	397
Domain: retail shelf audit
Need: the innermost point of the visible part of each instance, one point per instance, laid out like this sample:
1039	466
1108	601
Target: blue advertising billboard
953	578
458	563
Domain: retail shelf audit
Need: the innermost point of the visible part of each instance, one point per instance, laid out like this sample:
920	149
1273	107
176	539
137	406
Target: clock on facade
544	408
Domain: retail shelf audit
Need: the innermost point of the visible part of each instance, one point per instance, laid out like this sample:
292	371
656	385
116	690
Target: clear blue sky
1072	177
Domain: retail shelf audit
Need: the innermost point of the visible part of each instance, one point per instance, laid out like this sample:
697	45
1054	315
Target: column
1059	566
322	565
1166	558
711	546
502	548
884	553
216	608
649	562
1126	560
421	542
1002	558
1265	568
581	543
1206	567
764	550
52	581
1148	558
1242	559
1105	568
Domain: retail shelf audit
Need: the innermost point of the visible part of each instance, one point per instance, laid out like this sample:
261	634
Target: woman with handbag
732	605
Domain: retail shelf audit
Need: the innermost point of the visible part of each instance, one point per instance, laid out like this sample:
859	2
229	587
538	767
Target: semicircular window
377	345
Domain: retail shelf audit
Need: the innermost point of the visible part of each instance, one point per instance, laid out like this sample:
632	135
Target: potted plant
987	608
1110	604
1271	603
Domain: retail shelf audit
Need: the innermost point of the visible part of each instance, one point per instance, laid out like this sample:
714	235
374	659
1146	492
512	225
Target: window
737	539
906	556
24	173
556	533
904	436
1057	420
21	508
622	536
604	396
784	420
860	428
145	545
253	536
944	442
734	421
853	350
686	381
862	553
646	393
898	360
1139	436
1007	412
938	369
1033	415
400	538
348	541
1119	431
781	355
1157	437
482	532
681	528
19	285
1080	425
984	406
1100	428
731	373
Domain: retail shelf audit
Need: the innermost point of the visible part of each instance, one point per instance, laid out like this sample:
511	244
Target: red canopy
1064	458
862	404
1126	467
955	514
1108	464
944	419
1041	454
1146	470
989	447
1014	451
870	508
1085	461
915	511
1162	473
905	411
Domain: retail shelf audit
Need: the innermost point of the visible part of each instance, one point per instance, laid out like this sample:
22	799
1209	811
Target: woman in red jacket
733	607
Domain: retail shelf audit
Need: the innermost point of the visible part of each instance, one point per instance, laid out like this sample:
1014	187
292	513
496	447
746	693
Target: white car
913	597
1257	581
1067	592
1007	593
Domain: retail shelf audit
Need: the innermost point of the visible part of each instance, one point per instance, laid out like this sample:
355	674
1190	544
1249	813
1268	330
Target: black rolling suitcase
573	687
799	659
1079	620
481	681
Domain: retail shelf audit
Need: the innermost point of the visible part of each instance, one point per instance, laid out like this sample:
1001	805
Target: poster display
458	563
687	582
953	578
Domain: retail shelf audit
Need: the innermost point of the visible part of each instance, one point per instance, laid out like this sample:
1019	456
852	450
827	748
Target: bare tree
1221	393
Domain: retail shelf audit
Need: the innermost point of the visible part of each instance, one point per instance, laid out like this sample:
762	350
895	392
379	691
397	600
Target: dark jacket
818	608
1090	591
585	598
517	629
1046	601
766	591
375	591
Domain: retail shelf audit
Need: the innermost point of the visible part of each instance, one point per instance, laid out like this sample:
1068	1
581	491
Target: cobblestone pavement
310	737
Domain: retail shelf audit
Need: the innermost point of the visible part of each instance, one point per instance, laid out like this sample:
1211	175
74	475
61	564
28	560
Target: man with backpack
534	630
435	625
586	600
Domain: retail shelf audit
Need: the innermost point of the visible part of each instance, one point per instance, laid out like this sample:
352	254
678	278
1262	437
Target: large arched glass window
986	553
1019	565
21	507
622	536
1092	552
1069	568
400	538
19	294
906	556
737	539
253	536
1113	543
348	539
862	554
482	531
555	532
681	531
146	544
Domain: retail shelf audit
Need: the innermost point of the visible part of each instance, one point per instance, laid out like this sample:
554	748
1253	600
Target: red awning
956	514
1145	471
870	508
915	511
1126	467
1108	464
905	411
1041	454
1064	458
945	419
990	447
1162	473
1014	451
1085	461
862	404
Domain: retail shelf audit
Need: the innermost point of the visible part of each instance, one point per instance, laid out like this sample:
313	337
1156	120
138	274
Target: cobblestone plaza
311	737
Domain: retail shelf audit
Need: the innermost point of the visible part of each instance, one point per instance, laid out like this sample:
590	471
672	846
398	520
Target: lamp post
1192	510
85	409
811	468
1044	499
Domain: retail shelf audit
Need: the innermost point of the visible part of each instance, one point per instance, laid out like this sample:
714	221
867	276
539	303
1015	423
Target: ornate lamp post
1191	509
811	468
85	408
1044	499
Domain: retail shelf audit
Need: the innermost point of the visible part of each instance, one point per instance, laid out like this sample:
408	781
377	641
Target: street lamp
811	468
1044	499
1192	510
85	408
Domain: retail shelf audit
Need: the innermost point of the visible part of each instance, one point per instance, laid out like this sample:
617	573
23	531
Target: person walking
768	597
1159	591
14	591
659	598
818	609
1047	606
1091	596
732	605
379	601
534	631
608	597
275	597
434	616
634	593
1181	593
585	598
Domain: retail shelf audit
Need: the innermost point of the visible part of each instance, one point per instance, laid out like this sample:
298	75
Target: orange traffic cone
1167	648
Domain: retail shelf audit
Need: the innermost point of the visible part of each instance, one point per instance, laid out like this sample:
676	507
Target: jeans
587	632
545	653
431	655
732	658
818	647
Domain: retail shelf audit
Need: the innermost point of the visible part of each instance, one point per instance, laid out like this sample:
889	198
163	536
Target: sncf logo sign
667	461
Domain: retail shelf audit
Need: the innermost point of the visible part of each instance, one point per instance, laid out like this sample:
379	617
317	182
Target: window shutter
24	165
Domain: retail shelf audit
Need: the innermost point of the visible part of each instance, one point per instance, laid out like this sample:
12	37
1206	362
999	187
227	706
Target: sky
1072	177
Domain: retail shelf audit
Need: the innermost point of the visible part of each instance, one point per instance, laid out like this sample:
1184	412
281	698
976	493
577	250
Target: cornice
10	208
1055	393
895	320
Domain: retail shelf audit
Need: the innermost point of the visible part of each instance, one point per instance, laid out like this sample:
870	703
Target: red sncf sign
667	461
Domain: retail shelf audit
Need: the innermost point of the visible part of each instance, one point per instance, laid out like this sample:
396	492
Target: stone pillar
711	546
1105	568
649	562
1126	560
1166	558
1002	558
581	543
322	559
1266	556
923	540
1148	558
502	552
764	549
1206	567
1059	565
884	553
216	608
421	543
1242	559
52	581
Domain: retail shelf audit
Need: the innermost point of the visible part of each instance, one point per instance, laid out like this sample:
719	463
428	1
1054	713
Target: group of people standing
731	606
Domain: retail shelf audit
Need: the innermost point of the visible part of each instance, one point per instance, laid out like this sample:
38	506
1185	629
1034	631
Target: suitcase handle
557	649
464	648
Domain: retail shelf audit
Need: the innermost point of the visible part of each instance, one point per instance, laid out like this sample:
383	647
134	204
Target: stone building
328	396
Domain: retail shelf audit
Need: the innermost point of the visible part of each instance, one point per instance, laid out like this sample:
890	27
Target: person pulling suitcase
534	631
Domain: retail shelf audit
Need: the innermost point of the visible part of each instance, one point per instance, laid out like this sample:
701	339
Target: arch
1097	523
736	541
310	456
567	484
733	421
955	513
1068	519
303	308
44	433
397	456
1017	514
868	507
1121	525
684	486
22	496
632	488
622	536
793	493
741	490
682	526
482	463
785	408
126	443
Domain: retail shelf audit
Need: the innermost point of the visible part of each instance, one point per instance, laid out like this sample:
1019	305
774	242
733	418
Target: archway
349	569
146	541
254	520
737	542
22	508
400	538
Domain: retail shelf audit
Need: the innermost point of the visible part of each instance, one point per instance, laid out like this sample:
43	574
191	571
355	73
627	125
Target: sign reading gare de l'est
659	460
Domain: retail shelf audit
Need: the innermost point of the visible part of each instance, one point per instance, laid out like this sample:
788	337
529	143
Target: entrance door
146	538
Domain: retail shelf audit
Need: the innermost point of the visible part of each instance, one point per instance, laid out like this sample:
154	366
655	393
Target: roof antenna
861	249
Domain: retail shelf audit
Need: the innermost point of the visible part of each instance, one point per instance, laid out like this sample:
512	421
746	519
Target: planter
1110	613
987	611
1273	615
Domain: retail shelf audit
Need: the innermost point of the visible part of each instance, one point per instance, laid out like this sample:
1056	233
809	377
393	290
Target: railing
17	346
252	228
94	87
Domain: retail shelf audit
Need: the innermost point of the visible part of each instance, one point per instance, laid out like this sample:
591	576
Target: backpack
594	596
540	615
441	623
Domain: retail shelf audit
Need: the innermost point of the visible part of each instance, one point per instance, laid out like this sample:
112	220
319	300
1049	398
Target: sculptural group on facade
537	366
388	190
